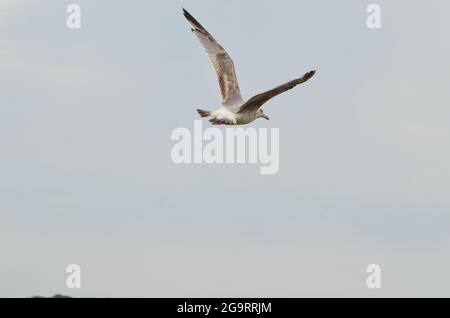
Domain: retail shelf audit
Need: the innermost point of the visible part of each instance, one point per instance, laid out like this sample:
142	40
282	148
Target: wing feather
254	103
222	63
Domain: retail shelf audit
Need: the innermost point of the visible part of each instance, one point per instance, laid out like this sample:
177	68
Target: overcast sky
86	175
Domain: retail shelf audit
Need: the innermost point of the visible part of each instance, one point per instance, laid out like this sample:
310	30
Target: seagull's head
260	114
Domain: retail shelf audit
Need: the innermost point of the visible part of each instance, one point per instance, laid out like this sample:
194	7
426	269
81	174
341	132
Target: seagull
235	110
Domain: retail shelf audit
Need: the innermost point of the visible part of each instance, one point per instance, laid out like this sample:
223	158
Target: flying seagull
235	110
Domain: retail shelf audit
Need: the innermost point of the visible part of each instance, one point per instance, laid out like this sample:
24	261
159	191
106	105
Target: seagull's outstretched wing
254	103
223	64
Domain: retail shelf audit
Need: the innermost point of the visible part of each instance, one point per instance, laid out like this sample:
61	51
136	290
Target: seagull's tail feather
204	113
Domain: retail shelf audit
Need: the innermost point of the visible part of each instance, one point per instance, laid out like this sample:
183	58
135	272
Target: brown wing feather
254	103
221	61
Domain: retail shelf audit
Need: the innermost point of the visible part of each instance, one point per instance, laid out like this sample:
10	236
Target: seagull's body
224	116
235	110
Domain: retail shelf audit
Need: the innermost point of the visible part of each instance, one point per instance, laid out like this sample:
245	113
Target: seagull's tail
204	113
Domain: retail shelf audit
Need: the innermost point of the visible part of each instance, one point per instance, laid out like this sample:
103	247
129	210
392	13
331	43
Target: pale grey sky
86	175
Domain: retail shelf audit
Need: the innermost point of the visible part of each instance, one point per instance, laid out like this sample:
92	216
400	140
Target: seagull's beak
265	117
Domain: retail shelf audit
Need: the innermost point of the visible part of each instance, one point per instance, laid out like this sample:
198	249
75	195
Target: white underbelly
231	118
